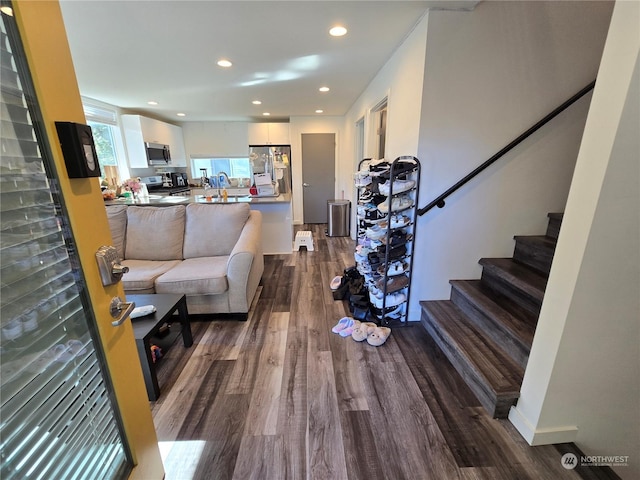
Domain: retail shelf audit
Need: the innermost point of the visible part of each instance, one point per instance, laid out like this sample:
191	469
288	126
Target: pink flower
132	185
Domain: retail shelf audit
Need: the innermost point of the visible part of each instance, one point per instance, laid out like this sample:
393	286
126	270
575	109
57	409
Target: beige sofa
211	253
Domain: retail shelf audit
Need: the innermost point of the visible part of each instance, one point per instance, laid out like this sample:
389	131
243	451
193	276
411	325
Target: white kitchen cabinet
269	134
176	143
134	141
138	129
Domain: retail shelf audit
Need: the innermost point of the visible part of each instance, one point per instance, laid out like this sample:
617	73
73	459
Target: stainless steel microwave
158	154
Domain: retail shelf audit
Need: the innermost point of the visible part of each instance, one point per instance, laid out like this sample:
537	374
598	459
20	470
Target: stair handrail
439	201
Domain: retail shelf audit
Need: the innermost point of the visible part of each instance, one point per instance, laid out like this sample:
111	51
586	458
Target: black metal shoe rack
402	168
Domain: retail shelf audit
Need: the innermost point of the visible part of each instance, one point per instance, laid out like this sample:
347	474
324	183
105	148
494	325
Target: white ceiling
127	53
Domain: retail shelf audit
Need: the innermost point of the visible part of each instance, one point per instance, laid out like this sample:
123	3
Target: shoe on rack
392	300
397	252
394	283
375	295
365	208
377	199
396	238
375	259
395	268
401	167
390	312
364	268
397	203
379	167
365	196
375	232
397	221
374	216
364	224
398	186
362	179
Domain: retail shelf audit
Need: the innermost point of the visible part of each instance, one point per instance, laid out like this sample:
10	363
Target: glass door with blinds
57	414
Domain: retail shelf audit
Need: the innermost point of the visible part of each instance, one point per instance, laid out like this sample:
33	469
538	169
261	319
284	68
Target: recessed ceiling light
338	31
257	102
152	102
181	114
224	63
324	89
319	111
7	10
266	114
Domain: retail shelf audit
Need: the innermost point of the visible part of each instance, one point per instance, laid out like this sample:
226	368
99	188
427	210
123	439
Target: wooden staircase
486	328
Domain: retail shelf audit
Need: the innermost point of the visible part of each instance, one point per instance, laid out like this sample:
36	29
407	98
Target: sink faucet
226	180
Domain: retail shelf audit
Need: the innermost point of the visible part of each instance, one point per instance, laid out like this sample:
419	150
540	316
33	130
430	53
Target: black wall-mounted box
78	149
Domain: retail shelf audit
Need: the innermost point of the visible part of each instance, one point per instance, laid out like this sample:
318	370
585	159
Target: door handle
120	310
305	184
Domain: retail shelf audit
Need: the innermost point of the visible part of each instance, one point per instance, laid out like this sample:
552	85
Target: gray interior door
318	175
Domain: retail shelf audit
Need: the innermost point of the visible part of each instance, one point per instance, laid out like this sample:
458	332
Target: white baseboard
541	436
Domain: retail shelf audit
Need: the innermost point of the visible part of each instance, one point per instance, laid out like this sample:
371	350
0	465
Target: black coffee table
144	328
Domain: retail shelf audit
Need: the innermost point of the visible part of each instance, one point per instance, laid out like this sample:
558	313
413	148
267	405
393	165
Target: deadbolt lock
111	270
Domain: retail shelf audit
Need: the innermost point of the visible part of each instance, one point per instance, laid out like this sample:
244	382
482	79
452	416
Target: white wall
489	75
215	138
316	124
400	80
582	382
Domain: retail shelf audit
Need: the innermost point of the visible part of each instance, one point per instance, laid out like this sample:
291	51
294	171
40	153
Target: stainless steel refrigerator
274	160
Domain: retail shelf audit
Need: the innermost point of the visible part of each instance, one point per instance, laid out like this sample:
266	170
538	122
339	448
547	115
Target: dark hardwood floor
281	397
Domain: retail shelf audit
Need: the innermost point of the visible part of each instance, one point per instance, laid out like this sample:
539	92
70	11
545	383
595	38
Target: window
237	168
108	140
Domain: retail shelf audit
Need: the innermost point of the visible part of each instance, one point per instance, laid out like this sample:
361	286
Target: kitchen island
277	217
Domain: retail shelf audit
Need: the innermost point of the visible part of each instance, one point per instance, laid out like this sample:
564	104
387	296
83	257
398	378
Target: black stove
168	190
158	185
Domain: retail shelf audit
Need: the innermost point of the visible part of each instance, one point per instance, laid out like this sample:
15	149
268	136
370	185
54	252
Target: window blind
57	415
99	114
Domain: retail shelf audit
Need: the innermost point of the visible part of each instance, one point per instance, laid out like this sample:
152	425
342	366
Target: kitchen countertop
161	200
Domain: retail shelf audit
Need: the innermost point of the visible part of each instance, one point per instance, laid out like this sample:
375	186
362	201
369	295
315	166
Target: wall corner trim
541	436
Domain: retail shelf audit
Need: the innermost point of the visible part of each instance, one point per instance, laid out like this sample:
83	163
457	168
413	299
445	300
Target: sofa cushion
143	273
117	216
155	233
196	276
212	230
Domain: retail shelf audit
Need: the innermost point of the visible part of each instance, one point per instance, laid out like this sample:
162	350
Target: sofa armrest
246	264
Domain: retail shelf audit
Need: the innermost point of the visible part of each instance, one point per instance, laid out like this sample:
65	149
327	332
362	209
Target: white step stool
303	238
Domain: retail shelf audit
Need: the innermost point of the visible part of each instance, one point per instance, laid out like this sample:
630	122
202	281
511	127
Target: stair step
493	377
553	227
518	282
504	321
535	251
